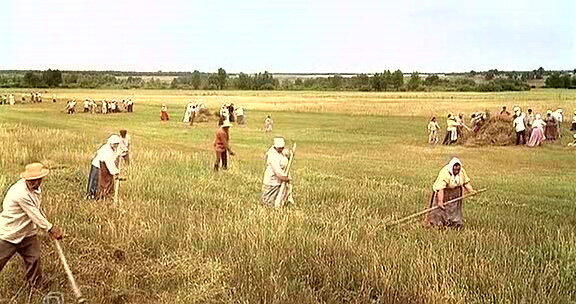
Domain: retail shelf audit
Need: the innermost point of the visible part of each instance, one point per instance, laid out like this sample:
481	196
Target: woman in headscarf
551	132
164	113
537	135
275	174
108	169
450	184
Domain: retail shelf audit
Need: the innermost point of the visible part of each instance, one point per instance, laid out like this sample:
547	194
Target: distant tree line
489	81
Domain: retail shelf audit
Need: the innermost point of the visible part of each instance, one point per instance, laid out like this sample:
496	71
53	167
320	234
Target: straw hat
279	142
226	124
34	171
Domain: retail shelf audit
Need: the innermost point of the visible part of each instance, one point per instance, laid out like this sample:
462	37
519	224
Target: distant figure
222	146
23	98
433	128
537	135
104	107
504	112
71	107
224	115
573	128
107	156
231	112
11	99
187	112
240	115
551	131
53	98
559	119
520	128
86	105
193	112
164	113
268	124
124	147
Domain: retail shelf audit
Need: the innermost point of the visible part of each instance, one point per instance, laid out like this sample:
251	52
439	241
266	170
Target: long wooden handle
71	279
278	201
433	208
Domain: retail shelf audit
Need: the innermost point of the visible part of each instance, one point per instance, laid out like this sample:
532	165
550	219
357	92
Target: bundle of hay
496	131
204	115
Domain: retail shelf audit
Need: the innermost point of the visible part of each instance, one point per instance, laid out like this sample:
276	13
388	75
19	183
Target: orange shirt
221	140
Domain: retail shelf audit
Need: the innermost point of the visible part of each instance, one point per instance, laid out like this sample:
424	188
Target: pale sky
288	36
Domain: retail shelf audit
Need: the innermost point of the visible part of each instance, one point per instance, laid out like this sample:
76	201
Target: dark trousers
29	250
221	157
93	182
520	138
192	116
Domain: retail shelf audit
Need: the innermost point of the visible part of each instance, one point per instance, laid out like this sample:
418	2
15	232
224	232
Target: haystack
496	131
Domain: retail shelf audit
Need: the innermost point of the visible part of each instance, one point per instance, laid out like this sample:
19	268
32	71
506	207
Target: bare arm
440	198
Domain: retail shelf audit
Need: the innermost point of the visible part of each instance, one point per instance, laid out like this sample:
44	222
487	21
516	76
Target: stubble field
182	234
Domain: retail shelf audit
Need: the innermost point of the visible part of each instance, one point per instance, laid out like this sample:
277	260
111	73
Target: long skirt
450	138
452	215
106	182
92	182
164	116
551	132
270	193
536	138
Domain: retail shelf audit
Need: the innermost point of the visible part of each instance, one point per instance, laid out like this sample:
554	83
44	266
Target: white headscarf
454	161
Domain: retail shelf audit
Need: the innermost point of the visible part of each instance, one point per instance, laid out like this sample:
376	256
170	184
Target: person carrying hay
104	169
451	183
276	174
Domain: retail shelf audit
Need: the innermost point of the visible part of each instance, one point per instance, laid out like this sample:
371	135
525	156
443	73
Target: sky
308	36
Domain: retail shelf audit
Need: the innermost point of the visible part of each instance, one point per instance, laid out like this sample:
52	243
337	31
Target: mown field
182	234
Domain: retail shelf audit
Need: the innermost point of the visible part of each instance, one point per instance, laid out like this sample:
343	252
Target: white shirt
574	119
108	156
124	145
21	216
519	123
240	111
276	164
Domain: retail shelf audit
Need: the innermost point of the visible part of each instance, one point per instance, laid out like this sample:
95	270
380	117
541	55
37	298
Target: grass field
184	235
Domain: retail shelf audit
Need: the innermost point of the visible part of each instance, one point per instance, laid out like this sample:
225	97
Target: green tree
376	82
388	79
414	81
222	78
196	79
432	80
335	81
31	80
52	78
398	79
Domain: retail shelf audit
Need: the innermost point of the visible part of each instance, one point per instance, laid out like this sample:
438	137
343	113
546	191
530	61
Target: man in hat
222	146
276	174
20	219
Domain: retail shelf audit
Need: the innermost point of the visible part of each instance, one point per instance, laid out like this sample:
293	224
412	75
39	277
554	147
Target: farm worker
240	115
537	135
224	115
130	105
450	184
53	98
187	112
103	169
573	128
193	113
23	98
451	130
433	128
504	112
20	219
520	128
559	119
11	99
231	112
86	105
124	147
551	131
164	113
268	124
104	107
222	146
275	174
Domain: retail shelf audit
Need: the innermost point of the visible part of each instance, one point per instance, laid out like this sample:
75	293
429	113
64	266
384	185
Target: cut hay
496	131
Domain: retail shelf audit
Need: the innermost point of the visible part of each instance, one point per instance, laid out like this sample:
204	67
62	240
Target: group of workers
102	106
10	99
